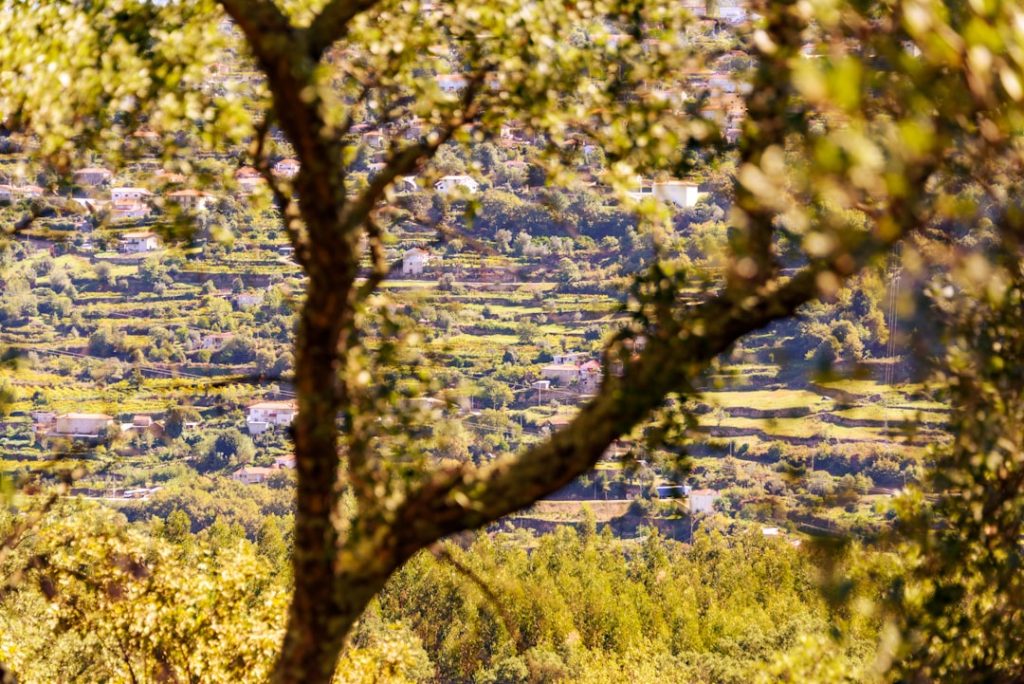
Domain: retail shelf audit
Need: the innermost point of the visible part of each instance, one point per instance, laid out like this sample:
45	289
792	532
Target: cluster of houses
129	203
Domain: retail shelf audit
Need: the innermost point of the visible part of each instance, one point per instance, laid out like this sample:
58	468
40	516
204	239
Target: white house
590	375
681	193
721	82
406	184
452	83
248	179
450	184
248	300
568	369
84	425
128	210
165	177
375	139
129	194
138	243
286	168
190	199
285	462
703	500
560	373
29	191
43	420
214	341
568	357
93	175
263	415
735	14
252	474
415	260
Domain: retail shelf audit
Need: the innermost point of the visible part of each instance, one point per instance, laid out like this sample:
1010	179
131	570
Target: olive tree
862	121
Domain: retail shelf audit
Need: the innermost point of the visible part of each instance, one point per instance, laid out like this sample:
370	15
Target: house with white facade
214	341
248	300
406	184
450	184
562	374
286	168
683	194
415	260
190	199
248	179
375	140
703	500
583	376
129	210
82	425
286	462
265	415
129	194
253	474
11	193
451	83
138	243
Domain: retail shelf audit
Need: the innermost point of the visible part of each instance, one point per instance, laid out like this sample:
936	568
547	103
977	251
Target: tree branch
465	498
292	219
331	25
267	30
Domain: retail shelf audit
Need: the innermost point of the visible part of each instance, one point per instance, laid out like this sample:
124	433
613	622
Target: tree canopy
867	125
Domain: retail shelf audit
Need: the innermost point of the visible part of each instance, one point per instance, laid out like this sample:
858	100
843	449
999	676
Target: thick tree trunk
316	461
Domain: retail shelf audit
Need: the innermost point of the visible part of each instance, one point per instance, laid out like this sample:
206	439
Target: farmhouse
82	425
264	415
93	175
138	243
415	260
450	184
